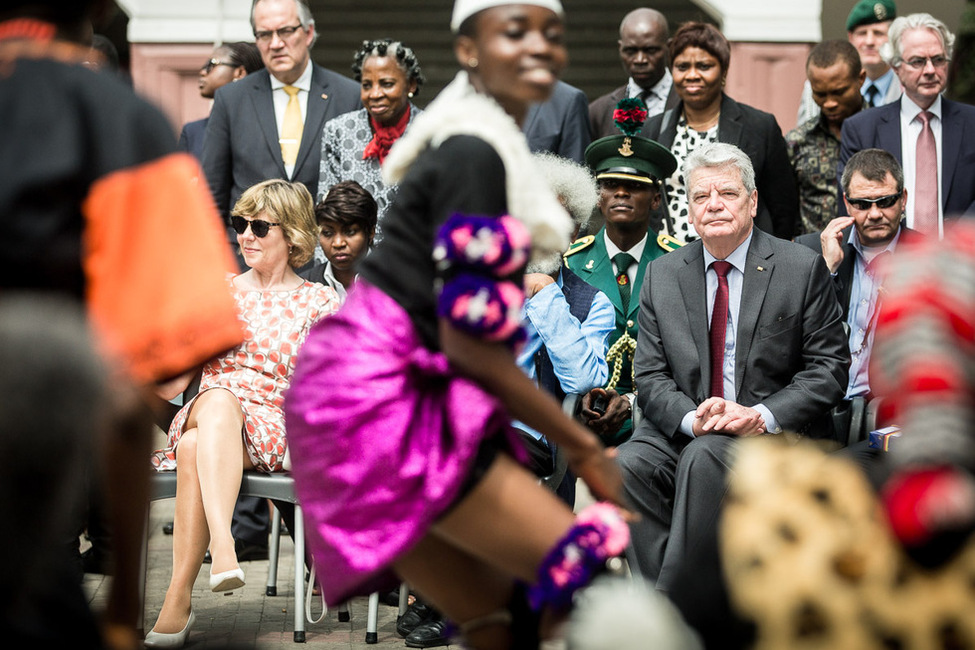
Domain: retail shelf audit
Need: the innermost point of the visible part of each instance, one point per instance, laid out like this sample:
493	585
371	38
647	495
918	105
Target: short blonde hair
291	205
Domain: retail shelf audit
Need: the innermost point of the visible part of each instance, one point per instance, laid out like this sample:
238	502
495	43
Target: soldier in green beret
627	168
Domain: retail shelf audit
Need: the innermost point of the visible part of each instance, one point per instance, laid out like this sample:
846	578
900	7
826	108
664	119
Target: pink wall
769	76
167	74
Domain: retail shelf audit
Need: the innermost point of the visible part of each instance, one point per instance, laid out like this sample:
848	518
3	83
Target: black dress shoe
95	561
168	528
417	613
429	634
390	598
247	552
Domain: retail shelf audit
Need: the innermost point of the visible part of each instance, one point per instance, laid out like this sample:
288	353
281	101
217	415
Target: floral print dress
258	371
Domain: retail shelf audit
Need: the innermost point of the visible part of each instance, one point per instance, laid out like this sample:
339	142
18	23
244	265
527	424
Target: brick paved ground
247	618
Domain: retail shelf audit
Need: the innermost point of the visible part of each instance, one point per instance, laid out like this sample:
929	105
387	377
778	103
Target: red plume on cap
630	114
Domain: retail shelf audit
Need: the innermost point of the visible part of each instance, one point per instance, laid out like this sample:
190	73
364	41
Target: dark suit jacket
843	279
601	112
881	128
757	134
191	137
791	352
560	125
241	146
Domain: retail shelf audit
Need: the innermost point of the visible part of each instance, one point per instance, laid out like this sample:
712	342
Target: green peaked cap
633	158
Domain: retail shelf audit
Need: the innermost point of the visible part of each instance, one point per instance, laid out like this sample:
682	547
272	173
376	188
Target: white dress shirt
636	252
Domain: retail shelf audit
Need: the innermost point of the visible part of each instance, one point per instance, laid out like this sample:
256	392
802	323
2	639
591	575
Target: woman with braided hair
354	145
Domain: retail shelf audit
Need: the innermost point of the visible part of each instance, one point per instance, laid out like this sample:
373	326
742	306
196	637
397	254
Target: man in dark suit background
856	249
643	52
244	139
923	130
559	125
778	360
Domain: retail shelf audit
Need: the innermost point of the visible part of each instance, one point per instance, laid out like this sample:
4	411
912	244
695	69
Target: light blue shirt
736	277
882	83
577	350
864	290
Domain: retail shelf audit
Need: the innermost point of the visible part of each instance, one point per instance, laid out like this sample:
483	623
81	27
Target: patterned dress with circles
685	142
258	371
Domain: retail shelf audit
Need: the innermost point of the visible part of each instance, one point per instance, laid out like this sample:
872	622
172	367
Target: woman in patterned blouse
354	145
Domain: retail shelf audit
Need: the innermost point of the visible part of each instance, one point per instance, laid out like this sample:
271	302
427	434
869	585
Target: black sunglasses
882	202
258	226
213	63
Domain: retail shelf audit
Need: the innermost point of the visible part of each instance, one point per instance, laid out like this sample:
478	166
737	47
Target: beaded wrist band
598	536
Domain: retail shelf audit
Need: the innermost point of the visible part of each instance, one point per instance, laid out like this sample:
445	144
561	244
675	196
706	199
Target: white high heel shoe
175	640
227	580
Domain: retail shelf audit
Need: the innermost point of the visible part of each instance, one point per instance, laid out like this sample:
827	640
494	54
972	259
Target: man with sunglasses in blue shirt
857	249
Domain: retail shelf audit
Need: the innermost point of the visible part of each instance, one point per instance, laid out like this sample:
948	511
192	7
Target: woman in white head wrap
399	413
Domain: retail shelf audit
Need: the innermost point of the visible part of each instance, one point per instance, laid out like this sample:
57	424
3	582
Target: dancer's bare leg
190	538
508	520
502	530
220	462
463	587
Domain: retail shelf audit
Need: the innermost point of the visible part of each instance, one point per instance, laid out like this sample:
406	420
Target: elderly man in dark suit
855	249
774	358
269	124
923	130
643	52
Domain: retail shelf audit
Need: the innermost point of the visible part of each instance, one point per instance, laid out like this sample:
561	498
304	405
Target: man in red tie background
741	334
923	130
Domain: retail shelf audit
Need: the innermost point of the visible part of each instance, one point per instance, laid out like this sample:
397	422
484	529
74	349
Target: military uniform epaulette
667	242
580	244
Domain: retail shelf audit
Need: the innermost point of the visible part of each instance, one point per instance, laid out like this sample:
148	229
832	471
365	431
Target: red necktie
926	179
719	326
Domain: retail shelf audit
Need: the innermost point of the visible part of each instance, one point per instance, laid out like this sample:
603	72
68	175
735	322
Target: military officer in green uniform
628	169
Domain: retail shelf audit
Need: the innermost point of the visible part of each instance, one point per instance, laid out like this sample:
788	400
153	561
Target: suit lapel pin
761	268
589	265
324	96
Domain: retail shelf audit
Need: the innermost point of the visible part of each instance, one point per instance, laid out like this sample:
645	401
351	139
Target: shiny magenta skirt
383	436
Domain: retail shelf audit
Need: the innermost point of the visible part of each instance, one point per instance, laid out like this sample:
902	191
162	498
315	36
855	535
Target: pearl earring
410	95
472	62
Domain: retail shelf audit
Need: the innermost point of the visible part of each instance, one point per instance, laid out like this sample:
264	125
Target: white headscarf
464	9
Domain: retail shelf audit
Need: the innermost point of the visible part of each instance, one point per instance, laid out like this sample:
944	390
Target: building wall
170	40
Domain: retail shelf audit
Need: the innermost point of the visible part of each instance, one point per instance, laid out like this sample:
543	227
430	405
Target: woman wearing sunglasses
400	409
236	421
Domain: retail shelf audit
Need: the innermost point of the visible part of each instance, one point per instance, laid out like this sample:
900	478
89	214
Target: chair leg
404	598
140	628
273	553
344	614
372	620
299	575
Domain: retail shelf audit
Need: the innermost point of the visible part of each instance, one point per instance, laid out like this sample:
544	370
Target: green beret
868	12
632	158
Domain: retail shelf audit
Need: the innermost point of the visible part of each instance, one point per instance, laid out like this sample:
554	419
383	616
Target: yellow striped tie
291	128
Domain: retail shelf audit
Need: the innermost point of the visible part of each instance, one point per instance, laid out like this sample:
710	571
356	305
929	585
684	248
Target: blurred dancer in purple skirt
400	408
